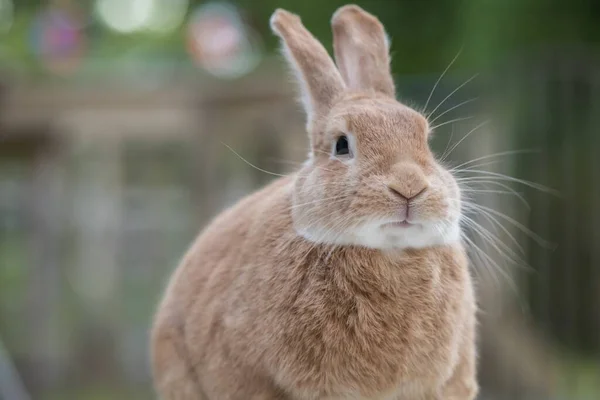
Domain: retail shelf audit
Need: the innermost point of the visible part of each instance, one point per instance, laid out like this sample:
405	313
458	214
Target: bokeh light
221	43
167	15
124	16
57	38
161	16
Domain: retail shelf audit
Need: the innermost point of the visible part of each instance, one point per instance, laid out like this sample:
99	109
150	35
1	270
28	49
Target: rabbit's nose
407	195
409	182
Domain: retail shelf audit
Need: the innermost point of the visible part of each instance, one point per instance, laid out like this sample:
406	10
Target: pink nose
407	195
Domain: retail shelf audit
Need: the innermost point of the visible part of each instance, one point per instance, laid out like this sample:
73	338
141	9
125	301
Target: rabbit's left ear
362	50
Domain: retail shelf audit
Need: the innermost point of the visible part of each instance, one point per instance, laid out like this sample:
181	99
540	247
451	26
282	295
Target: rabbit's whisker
495	241
495	155
487	261
463	138
250	164
485	182
264	170
489	175
453	108
465	190
300	164
331	200
512	192
476	165
443	156
440	78
490	211
450	122
452	93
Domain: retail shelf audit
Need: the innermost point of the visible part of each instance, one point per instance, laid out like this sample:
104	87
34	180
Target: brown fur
259	310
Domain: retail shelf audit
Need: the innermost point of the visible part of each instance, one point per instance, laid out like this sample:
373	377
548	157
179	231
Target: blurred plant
6	15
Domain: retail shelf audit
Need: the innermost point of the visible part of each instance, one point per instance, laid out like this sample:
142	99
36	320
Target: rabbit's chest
380	344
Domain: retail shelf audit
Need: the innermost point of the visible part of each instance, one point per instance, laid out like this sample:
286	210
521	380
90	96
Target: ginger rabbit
345	280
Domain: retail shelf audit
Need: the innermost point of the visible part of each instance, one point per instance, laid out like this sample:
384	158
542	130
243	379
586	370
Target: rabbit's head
371	179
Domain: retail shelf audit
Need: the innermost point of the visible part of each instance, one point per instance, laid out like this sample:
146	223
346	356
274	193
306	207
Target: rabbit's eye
342	148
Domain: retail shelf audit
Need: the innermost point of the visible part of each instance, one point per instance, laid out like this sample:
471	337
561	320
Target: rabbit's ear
317	74
362	50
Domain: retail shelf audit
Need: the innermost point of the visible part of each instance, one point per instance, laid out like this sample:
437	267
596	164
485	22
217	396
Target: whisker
331	200
500	184
464	137
491	191
450	122
495	222
496	175
336	224
443	156
441	77
496	242
483	164
250	164
487	263
453	108
500	154
516	223
270	172
494	264
450	95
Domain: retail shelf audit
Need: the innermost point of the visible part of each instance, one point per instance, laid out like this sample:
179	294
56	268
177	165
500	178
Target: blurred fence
103	188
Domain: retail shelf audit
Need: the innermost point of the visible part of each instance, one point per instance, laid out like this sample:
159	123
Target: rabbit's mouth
397	224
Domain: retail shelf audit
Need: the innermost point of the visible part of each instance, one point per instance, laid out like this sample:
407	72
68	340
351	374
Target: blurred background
114	116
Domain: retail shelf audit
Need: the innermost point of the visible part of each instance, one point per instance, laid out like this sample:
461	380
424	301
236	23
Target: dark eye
341	146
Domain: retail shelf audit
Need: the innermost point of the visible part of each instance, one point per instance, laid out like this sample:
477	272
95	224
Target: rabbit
345	280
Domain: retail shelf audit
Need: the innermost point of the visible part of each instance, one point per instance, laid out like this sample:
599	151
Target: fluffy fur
346	280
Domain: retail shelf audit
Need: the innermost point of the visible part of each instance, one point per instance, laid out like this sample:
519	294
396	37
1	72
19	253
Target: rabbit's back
188	325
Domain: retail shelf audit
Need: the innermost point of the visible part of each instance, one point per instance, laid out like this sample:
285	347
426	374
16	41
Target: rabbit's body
346	280
386	325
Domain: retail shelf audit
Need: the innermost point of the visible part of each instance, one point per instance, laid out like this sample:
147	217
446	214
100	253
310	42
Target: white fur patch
374	235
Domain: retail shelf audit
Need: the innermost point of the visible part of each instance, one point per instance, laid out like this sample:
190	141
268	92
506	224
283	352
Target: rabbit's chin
382	234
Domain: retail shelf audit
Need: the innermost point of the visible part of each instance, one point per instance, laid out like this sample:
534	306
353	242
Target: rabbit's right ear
318	76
